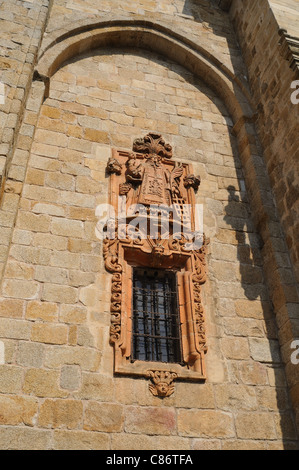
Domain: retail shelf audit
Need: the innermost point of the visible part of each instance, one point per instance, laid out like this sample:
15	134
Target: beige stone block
223	270
253	373
71	156
213	424
44	163
16	270
67	227
206	444
64	259
52	242
235	348
11	379
14	328
73	336
224	252
243	327
11	308
45	150
252	309
33	222
79	246
87	358
188	395
10	202
91	263
49	334
51	124
72	314
87	185
272	399
245	445
81	145
60	181
20	289
51	138
89	296
264	350
63	414
51	112
51	274
255	426
150	420
50	209
30	354
96	136
96	387
235	396
25	438
70	377
17	410
43	383
105	417
35	176
59	294
22	237
80	440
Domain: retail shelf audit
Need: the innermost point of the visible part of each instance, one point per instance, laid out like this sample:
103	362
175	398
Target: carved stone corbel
114	166
162	385
192	181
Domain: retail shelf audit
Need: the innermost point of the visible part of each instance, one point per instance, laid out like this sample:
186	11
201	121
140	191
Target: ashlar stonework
82	81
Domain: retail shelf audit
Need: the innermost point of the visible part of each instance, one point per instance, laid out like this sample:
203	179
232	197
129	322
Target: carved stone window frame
130	176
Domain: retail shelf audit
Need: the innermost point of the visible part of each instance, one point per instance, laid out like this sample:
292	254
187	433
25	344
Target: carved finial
192	181
162	382
153	144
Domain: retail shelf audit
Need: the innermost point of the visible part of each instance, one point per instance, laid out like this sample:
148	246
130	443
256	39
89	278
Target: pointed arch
156	38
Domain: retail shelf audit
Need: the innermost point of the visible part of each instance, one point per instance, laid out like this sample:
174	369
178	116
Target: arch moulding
156	38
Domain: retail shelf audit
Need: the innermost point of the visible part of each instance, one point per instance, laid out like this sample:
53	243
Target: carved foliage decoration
157	194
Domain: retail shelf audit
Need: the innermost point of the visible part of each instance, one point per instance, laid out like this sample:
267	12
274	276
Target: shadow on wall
249	255
249	246
206	12
216	21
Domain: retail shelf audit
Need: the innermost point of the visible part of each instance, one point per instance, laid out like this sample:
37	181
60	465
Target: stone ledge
290	49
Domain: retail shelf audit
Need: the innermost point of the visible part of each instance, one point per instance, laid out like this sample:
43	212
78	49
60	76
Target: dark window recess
156	322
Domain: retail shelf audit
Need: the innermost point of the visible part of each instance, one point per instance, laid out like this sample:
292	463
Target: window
157	316
156	322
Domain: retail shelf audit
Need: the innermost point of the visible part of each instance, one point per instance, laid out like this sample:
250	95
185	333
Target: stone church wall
57	388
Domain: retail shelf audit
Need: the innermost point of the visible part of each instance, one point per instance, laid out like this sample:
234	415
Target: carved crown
153	144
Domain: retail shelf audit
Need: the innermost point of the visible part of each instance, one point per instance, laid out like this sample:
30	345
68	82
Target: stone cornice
290	48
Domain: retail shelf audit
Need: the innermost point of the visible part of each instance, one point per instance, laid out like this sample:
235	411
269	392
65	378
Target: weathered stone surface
150	420
105	417
255	426
65	414
208	424
81	440
17	410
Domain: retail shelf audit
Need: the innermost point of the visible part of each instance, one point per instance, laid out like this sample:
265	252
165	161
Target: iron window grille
156	321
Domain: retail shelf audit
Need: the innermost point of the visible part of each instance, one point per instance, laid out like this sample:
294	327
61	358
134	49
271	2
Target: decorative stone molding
147	186
290	49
